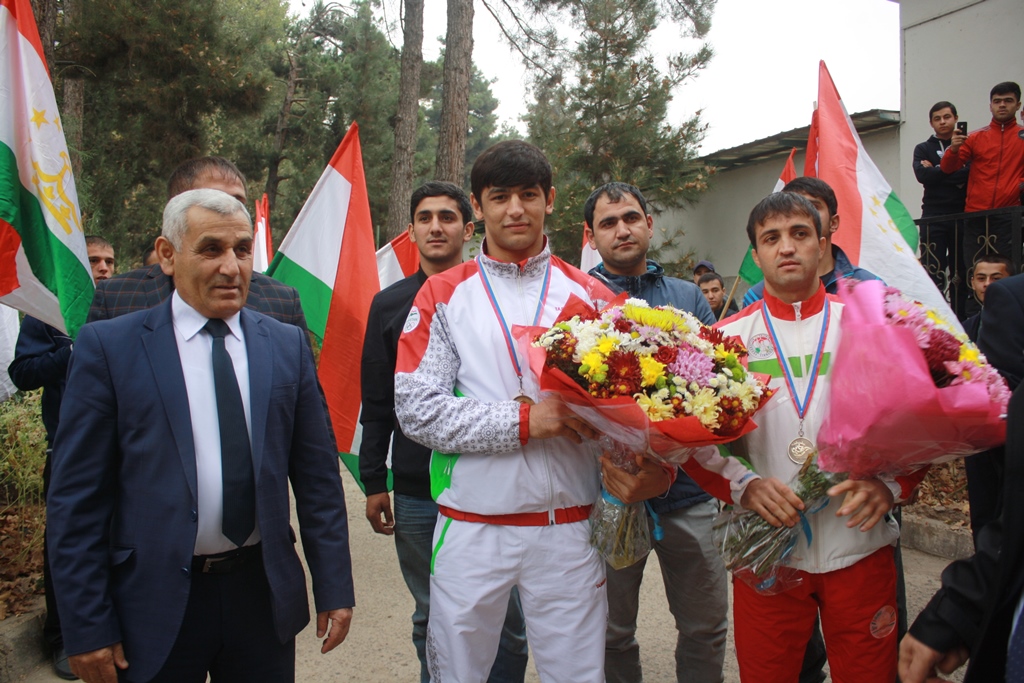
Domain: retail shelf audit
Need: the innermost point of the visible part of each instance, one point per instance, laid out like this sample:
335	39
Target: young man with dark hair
713	287
996	155
214	173
512	478
617	223
835	264
440	223
41	358
944	194
987	269
845	563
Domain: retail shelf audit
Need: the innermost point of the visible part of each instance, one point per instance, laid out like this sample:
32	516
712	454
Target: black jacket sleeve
1001	334
40	357
377	378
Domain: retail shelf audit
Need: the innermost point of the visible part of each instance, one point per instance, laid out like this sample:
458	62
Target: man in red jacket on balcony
996	154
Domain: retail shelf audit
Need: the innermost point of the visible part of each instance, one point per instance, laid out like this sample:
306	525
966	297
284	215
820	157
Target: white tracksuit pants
561	584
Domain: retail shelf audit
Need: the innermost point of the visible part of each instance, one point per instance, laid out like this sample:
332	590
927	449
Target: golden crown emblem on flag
51	192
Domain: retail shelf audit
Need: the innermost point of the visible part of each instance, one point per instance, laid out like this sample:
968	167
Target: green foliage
602	116
22	450
154	74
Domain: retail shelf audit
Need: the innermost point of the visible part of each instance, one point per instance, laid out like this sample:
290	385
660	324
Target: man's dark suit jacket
145	287
979	595
122	511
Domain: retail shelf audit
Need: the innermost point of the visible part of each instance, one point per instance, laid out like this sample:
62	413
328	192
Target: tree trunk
46	19
407	119
74	97
281	132
458	65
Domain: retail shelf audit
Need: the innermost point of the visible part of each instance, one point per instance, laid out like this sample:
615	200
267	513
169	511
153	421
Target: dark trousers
984	487
228	631
51	627
944	261
987	235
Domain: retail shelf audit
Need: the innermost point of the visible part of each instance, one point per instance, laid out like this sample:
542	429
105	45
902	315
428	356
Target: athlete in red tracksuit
846	563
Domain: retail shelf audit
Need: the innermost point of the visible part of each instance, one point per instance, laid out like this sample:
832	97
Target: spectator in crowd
41	358
846	565
987	269
944	194
996	156
835	264
514	482
149	257
145	287
440	223
169	517
713	287
976	613
702	268
616	221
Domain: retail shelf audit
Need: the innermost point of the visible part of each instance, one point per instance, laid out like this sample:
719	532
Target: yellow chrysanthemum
663	320
971	354
704	406
593	360
650	370
655	408
607	344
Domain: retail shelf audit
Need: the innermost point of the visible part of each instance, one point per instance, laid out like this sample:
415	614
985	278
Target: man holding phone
944	194
996	156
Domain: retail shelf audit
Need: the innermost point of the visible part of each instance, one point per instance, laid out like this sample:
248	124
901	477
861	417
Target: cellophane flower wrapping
619	531
757	552
653	380
908	389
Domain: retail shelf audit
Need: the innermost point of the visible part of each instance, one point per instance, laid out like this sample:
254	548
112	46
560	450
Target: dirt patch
21	559
943	495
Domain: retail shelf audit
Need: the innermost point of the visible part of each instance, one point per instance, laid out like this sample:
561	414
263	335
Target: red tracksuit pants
858	620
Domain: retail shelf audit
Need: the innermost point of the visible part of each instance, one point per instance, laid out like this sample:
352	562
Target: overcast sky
763	78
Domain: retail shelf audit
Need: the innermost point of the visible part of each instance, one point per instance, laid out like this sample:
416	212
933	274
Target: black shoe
61	666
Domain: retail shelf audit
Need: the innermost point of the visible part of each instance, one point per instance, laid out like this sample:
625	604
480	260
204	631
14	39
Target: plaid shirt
145	287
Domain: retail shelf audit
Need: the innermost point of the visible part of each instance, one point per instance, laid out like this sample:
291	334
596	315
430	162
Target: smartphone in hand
961	127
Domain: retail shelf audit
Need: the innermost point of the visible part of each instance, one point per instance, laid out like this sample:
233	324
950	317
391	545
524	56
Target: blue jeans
414	533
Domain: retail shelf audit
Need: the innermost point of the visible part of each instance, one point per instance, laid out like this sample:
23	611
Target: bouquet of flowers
908	389
655	381
755	551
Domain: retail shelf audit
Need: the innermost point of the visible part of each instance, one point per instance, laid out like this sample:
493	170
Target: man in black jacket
976	610
440	223
944	194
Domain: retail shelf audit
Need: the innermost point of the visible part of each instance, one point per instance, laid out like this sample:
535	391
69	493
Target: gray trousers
696	586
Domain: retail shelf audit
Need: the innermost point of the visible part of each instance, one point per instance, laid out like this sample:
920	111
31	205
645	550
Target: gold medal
522	398
800	450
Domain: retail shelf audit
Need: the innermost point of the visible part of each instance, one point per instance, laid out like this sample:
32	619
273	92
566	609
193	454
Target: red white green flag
749	272
875	228
44	265
328	255
397	260
262	248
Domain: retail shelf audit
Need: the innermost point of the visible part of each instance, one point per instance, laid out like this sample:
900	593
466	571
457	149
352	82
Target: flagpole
732	293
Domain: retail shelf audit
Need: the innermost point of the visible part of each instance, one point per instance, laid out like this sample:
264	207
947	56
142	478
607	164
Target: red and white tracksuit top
455	385
798	327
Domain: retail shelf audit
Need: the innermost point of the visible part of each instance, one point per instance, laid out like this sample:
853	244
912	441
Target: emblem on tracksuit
412	321
760	347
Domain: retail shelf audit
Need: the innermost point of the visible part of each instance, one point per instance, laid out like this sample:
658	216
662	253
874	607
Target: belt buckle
209	562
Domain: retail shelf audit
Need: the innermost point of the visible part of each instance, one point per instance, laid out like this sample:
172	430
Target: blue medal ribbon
787	372
501	318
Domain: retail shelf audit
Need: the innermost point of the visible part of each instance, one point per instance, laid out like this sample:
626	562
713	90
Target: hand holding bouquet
655	381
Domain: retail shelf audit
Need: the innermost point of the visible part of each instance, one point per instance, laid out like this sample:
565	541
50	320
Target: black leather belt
225	563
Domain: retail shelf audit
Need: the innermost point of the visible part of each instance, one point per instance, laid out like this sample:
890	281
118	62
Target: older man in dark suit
181	429
147	286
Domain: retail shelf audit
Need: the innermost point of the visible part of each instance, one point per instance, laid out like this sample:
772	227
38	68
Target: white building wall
953	50
715	228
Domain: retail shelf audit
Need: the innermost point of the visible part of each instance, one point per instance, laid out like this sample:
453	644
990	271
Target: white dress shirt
195	349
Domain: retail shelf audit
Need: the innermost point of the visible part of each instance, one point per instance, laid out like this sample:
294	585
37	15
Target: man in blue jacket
41	362
618	224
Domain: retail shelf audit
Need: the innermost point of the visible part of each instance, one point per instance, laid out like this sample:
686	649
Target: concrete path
379	647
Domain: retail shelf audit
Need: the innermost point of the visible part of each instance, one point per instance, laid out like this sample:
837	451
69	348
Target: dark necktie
235	453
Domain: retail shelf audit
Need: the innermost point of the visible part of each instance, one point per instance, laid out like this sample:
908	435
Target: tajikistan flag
328	255
875	228
749	271
397	260
262	245
44	266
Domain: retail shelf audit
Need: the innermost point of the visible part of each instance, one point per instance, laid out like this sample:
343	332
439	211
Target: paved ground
379	648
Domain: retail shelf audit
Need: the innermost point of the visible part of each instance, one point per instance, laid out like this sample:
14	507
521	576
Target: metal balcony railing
951	244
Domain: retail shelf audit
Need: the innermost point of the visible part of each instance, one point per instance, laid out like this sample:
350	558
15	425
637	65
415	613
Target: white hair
175	213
